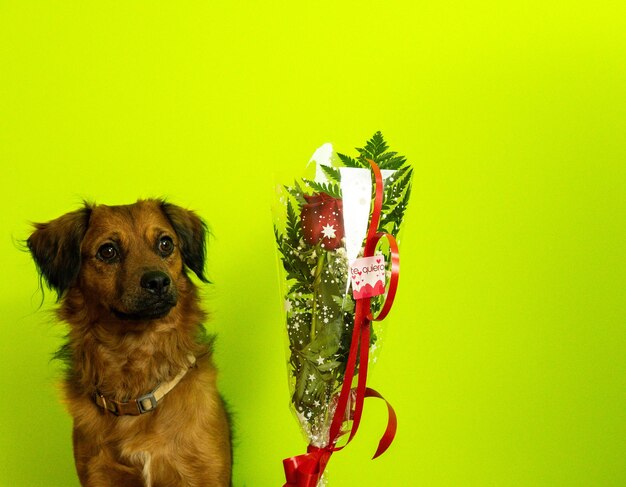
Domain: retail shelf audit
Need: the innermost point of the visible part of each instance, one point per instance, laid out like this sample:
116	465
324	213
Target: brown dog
140	383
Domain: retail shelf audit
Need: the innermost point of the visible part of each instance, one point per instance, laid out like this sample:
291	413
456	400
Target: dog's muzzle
156	297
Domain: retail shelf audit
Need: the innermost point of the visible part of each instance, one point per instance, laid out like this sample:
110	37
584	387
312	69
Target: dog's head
130	260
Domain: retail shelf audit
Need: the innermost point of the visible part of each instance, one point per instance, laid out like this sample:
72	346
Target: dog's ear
55	247
192	232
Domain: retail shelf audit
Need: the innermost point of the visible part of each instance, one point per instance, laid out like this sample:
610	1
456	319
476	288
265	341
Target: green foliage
294	233
351	162
297	193
376	149
395	200
331	189
331	173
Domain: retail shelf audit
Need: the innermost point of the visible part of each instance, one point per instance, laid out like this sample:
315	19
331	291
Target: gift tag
368	277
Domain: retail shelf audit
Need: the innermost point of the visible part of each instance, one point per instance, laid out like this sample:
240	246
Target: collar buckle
147	402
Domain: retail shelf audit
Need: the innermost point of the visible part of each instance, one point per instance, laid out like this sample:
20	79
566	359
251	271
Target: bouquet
323	230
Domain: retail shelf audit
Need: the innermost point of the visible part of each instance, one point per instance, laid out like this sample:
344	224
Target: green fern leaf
351	162
332	173
293	225
329	188
376	145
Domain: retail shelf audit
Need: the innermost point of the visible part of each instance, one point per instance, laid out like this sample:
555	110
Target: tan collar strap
147	402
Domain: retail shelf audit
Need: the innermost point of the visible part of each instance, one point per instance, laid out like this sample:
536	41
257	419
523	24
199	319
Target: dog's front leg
97	466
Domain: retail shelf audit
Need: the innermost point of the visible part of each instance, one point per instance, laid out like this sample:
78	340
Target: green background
505	352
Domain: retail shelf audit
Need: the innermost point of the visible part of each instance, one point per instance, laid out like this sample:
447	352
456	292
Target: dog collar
147	402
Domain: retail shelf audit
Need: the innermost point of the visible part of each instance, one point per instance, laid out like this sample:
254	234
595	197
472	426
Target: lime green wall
505	353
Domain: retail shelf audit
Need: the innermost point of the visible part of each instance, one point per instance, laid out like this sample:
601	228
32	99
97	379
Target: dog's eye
107	252
166	246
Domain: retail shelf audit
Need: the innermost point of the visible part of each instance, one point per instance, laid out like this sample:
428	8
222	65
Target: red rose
321	220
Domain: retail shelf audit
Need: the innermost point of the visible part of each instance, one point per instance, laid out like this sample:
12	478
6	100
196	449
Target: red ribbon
306	470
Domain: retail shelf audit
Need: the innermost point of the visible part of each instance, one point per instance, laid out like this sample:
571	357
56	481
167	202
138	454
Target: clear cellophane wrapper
320	223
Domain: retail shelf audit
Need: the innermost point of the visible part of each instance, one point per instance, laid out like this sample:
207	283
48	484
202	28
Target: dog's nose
155	282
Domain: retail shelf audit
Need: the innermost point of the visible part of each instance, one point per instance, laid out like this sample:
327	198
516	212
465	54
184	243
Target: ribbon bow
306	470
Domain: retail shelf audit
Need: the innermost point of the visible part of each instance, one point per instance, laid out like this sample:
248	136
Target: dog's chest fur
143	461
